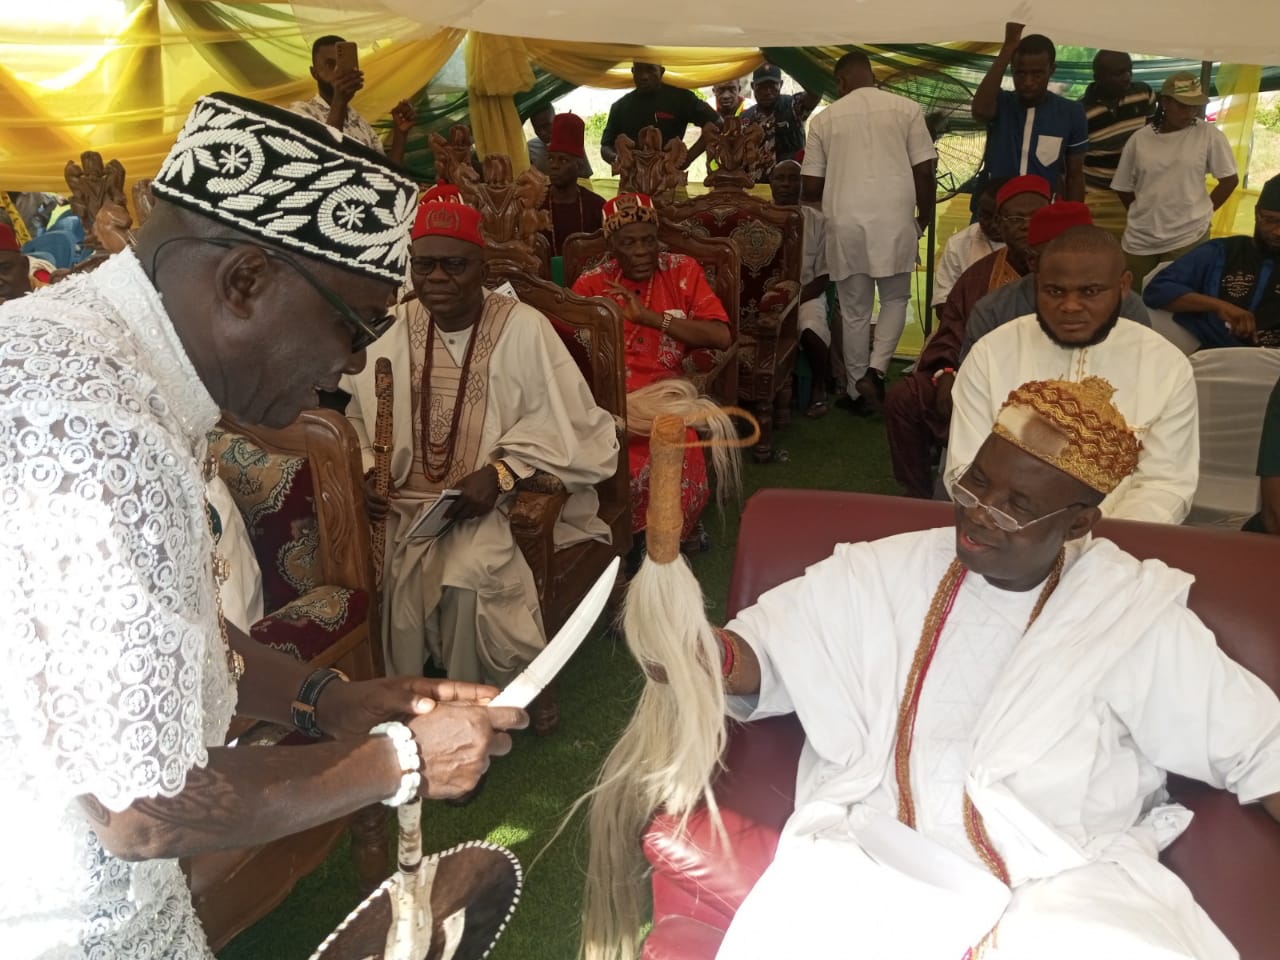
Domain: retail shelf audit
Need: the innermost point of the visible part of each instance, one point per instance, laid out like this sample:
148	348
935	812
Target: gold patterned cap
628	208
1072	426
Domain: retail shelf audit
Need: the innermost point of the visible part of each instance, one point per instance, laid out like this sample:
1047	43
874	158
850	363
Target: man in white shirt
870	160
1076	333
966	247
332	103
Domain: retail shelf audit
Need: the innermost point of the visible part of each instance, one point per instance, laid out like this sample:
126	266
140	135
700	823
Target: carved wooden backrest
736	151
98	199
513	209
649	166
328	442
453	155
591	328
769	239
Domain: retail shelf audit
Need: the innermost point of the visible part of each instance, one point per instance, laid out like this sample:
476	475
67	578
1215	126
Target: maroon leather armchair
1229	857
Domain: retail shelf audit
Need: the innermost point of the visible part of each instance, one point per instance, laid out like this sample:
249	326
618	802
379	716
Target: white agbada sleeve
1163	486
971	409
1227	720
555	425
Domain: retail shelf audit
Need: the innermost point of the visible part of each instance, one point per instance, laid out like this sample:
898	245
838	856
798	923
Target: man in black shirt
655	104
781	115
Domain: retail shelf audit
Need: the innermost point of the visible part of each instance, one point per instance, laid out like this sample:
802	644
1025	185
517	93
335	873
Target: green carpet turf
528	792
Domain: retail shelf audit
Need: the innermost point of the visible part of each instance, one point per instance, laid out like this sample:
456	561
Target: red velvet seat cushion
276	497
310	625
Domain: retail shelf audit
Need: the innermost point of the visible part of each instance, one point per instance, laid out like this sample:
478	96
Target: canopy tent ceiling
1241	31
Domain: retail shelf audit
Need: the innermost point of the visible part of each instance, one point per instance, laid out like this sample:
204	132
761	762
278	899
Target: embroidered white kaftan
468	596
1062	737
1155	390
113	677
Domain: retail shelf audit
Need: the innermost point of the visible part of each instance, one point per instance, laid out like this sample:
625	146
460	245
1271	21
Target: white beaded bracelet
410	762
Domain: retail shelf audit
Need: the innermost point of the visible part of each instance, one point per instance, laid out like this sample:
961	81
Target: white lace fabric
113	679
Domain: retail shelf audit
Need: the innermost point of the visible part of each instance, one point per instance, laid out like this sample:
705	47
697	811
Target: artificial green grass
528	792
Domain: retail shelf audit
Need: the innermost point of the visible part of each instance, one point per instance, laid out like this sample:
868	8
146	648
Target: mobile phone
347	57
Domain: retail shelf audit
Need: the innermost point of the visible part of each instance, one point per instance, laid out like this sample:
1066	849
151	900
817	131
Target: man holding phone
336	68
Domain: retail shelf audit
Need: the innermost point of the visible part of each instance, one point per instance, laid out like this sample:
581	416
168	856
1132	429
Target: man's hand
633	309
456	741
376	504
1013	34
352	709
404	117
347	85
942	394
480	492
1239	321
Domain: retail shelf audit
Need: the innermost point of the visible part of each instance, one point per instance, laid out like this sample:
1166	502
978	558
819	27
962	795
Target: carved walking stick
382	436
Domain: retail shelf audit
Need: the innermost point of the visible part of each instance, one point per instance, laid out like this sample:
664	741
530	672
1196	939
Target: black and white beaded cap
292	182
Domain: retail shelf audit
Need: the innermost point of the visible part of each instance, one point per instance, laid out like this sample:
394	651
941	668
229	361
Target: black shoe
857	407
871	389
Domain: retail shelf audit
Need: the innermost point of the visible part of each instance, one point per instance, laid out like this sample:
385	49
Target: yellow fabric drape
609	64
497	69
1239	84
131	91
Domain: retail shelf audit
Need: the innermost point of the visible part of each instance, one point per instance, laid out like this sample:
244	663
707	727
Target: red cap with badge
442	213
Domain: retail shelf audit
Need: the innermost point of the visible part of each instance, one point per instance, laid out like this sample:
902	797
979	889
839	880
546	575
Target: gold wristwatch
506	478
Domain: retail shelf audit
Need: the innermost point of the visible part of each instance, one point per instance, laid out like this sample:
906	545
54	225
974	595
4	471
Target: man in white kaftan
869	158
467	598
1059	733
1078	333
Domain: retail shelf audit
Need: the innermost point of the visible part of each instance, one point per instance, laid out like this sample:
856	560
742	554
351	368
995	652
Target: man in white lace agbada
260	276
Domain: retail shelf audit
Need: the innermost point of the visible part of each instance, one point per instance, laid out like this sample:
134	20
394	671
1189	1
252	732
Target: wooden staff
382	439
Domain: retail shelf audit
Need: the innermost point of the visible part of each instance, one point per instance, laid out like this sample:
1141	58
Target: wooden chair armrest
533	515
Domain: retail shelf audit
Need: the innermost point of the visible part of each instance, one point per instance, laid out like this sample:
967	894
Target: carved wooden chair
714	372
770	246
300	492
592	330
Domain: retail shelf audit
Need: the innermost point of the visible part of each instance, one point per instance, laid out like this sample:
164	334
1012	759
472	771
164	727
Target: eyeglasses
453	266
1015	221
968	499
363	332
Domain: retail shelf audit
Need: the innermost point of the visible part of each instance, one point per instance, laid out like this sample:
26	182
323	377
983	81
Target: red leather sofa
1230	856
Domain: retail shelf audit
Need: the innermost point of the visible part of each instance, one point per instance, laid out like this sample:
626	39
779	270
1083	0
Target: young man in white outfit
870	160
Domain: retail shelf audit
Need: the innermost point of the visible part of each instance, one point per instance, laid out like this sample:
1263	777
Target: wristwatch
303	709
506	477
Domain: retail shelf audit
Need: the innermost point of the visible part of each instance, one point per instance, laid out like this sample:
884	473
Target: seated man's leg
815	340
908	421
487	626
1100	911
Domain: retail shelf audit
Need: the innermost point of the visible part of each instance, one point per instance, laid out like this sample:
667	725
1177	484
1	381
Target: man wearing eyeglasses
1076	332
917	411
486	396
257	281
990	711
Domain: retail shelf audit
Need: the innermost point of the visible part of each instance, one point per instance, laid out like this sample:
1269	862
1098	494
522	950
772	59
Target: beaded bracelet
406	746
726	661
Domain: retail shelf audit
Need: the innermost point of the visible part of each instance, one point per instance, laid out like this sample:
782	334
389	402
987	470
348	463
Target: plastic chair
1232	385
